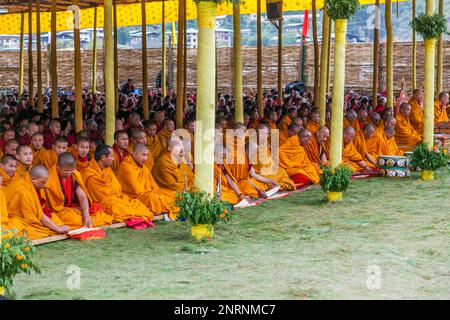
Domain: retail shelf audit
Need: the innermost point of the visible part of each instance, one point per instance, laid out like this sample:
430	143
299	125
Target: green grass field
300	247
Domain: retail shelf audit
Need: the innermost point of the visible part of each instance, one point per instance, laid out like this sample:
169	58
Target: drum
394	166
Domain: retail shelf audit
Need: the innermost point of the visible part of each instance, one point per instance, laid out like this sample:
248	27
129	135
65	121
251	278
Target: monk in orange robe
138	183
24	205
8	168
316	149
82	153
105	189
313	123
11	147
120	148
285	122
376	121
171	170
294	159
405	135
166	132
66	194
391	144
37	145
440	108
267	164
50	158
138	136
374	144
416	117
350	119
153	141
4	215
25	163
271	119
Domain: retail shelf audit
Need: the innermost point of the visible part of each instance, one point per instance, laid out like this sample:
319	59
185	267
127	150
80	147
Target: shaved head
39	172
66	160
139	147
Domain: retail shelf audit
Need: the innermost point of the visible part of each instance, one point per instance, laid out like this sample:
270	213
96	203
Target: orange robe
49	159
376	146
24	206
351	157
283	126
37	156
392	148
55	200
266	168
294	159
315	151
405	135
227	194
138	183
169	175
7	179
440	113
312	126
106	189
155	146
416	117
118	158
164	135
149	163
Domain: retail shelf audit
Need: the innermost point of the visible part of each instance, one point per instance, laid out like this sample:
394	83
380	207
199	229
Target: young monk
171	170
138	183
66	194
372	144
50	158
294	159
24	205
32	128
11	147
8	135
440	108
405	135
296	125
120	148
37	146
392	148
8	167
416	116
285	122
313	123
153	141
316	148
138	136
105	189
166	132
25	163
53	132
82	153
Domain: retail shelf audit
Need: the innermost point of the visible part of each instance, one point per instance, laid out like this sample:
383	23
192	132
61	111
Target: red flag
305	24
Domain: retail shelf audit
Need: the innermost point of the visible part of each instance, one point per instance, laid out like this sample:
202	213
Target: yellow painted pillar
428	100
259	60
30	54
40	105
164	56
439	70
280	59
78	81
316	51
94	55
389	54
330	27
206	61
22	25
109	72
239	103
144	62
338	93
116	59
324	67
180	63
54	63
414	50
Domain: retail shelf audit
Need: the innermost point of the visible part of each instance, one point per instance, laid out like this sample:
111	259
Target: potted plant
15	257
429	160
203	212
335	181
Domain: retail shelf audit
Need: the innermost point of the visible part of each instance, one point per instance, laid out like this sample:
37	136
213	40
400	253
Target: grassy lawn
299	247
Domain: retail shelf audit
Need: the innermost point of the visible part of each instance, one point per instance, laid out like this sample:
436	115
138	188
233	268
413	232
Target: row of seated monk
51	191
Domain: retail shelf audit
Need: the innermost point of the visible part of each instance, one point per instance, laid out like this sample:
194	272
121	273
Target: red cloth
90	235
49	139
139	224
25	139
300	180
305	24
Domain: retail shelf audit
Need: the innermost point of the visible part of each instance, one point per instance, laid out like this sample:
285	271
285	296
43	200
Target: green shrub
429	27
342	9
427	159
337	179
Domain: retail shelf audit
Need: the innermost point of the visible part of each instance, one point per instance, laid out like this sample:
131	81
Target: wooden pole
54	64
77	59
109	71
164	56
185	57
376	45
324	67
94	55
428	101
389	54
330	26
414	50
40	105
180	62
116	59
21	67
280	58
144	62
30	54
316	52
439	71
259	60
239	103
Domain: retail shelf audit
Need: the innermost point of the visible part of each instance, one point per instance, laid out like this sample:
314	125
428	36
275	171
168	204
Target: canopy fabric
130	14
